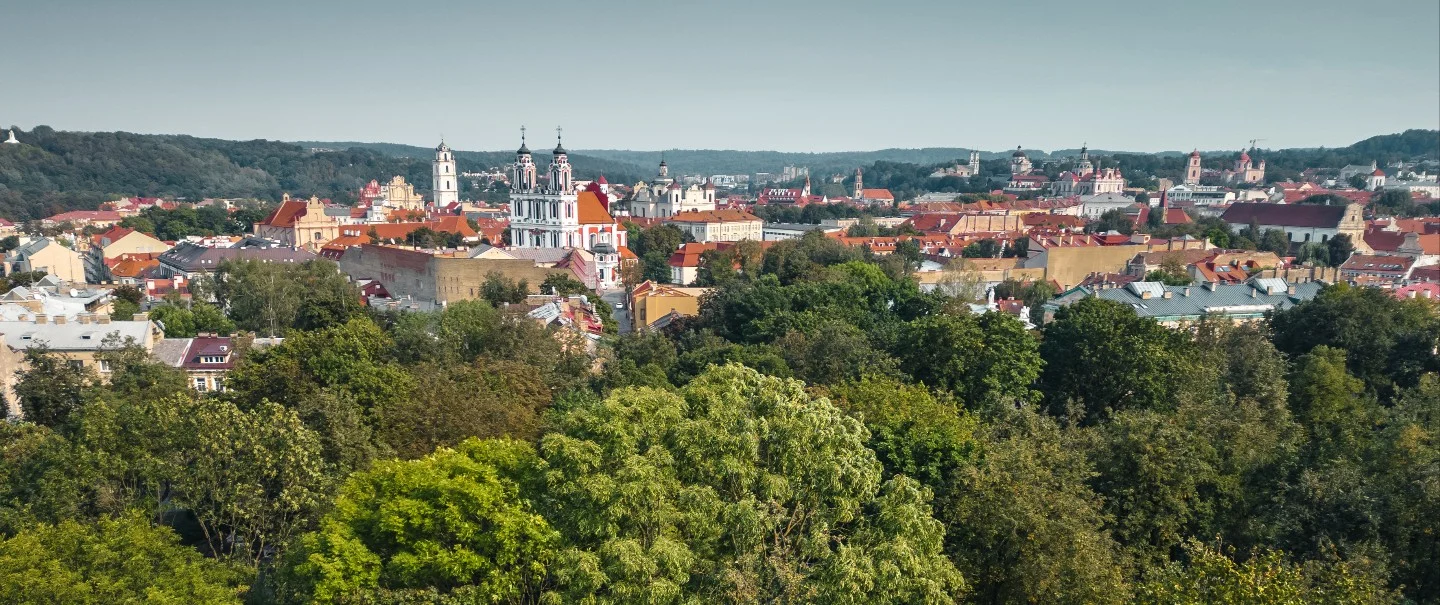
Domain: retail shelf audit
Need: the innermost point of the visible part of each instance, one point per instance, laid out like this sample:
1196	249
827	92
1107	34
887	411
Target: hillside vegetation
54	171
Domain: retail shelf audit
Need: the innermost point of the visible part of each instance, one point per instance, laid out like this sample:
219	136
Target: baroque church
664	197
551	213
1086	180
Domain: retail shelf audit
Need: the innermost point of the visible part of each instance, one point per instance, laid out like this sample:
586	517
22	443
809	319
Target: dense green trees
123	560
457	524
182	321
740	489
1102	358
270	298
823	430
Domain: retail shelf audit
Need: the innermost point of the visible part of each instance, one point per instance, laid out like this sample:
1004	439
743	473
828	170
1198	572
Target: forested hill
54	171
1408	145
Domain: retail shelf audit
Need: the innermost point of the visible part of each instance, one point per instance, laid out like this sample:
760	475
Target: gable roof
725	215
591	210
1284	215
285	214
877	194
86	215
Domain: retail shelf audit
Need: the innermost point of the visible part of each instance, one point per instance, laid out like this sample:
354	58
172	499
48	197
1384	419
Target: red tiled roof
1370	263
724	215
86	215
592	210
110	236
285	214
1381	240
132	265
1176	216
877	194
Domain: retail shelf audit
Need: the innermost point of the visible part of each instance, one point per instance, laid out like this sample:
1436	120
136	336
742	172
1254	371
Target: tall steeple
1192	169
1084	167
561	180
444	183
523	177
859	184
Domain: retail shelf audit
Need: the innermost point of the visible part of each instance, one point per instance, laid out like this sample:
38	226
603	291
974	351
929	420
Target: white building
1094	206
446	182
1200	195
557	216
1302	223
665	197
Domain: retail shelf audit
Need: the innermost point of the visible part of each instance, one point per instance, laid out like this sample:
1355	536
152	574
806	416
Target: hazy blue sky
814	75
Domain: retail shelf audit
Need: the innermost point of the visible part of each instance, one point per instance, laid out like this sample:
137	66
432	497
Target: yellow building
297	223
78	340
45	254
401	195
651	302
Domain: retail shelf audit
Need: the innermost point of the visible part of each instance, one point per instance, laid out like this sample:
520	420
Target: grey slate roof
171	351
70	336
192	258
1251	299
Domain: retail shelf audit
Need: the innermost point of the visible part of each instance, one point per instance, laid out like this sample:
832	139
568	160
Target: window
76	364
213	359
104	366
200	383
219	383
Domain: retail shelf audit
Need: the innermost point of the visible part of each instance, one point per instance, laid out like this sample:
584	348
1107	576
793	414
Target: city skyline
793	77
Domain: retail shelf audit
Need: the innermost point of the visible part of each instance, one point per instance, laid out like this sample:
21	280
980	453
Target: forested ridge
55	171
1408	145
822	431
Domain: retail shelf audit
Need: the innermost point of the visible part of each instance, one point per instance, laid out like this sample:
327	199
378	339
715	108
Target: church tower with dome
1019	162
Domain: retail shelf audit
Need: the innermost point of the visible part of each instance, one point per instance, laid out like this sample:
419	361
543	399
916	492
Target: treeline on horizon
55	171
823	431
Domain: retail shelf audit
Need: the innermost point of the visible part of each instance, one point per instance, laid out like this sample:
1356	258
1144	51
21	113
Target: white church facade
554	214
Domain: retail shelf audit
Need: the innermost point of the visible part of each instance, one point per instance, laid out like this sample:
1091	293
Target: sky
789	75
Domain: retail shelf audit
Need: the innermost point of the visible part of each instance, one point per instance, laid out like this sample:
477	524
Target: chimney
83	318
1167	294
1290	290
1211	285
102	318
59	320
141	317
1186	292
41	318
1145	295
1254	292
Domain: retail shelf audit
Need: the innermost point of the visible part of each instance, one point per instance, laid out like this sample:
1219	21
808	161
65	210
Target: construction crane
1253	141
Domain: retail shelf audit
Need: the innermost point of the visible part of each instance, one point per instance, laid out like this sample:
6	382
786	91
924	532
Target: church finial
524	149
559	149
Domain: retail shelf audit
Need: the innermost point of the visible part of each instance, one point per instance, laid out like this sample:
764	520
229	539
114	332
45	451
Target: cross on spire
522	134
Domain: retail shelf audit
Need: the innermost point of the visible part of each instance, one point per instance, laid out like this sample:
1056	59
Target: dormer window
212	359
